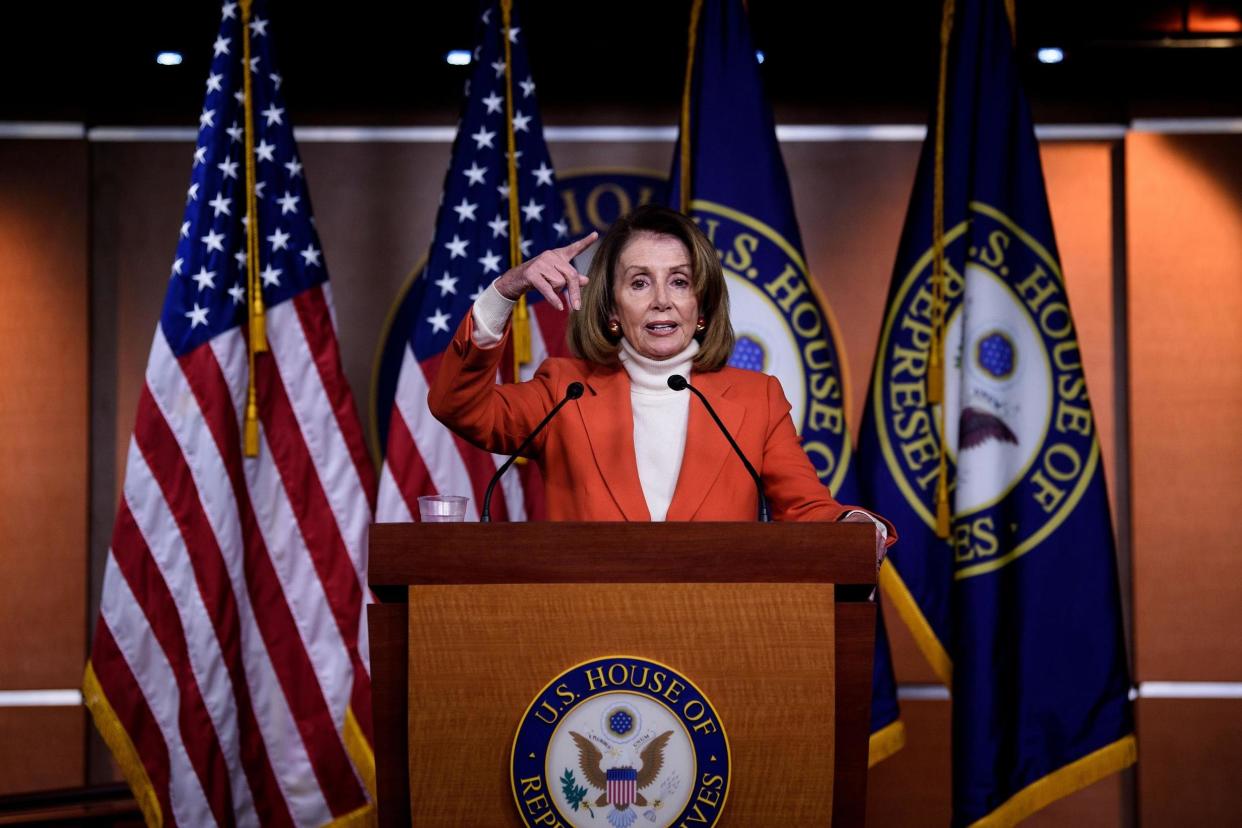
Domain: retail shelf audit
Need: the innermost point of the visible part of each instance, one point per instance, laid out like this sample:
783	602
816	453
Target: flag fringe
123	751
1062	782
364	817
885	742
895	590
359	750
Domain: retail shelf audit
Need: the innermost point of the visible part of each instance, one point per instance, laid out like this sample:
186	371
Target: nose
660	297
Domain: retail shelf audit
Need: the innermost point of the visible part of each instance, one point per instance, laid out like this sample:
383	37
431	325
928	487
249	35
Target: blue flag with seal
979	444
729	176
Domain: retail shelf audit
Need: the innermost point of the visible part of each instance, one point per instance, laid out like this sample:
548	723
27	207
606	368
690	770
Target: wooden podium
771	621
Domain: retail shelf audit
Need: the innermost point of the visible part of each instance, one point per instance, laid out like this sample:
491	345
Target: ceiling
383	63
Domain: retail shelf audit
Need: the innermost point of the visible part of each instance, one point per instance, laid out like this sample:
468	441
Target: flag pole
935	365
257	341
521	314
684	148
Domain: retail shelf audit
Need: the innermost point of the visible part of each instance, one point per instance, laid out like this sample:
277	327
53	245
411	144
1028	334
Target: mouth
661	328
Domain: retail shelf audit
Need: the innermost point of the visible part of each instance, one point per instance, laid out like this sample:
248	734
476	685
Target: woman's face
653	294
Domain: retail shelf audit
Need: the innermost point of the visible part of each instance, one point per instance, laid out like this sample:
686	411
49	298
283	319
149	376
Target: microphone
678	383
572	392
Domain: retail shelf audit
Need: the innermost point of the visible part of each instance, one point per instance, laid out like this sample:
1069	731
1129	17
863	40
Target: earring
614	327
702	325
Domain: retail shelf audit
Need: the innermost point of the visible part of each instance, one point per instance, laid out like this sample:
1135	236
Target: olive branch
574	793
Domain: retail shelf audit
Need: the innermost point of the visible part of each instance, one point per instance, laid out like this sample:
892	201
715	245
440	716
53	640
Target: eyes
642	281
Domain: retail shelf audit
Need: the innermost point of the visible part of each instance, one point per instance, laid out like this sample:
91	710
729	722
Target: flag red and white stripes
231	646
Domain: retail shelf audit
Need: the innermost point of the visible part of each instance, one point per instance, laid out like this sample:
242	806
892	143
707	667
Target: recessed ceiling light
1050	54
168	58
458	57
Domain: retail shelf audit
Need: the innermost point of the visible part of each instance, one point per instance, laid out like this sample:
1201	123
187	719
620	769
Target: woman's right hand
551	272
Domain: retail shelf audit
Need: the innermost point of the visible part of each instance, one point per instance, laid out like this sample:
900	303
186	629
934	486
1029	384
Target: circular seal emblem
1017	422
784	328
618	741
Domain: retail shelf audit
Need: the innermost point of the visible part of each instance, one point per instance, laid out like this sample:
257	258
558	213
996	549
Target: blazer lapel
609	422
707	450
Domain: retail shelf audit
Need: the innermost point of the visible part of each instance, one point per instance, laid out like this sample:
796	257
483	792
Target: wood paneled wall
44	352
375	205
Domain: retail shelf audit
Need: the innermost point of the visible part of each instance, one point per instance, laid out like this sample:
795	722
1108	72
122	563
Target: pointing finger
574	248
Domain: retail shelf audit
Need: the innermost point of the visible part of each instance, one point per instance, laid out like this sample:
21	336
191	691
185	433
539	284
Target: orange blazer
586	454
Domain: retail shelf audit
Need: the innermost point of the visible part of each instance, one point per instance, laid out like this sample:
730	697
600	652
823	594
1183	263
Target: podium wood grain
480	654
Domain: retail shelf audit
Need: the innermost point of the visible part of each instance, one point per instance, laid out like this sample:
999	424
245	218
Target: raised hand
551	272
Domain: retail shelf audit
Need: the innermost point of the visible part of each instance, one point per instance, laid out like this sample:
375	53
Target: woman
654	304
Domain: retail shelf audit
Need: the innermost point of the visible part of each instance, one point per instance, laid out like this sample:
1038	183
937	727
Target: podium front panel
478	655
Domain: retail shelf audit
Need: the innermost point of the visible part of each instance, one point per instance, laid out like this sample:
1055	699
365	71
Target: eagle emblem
621	785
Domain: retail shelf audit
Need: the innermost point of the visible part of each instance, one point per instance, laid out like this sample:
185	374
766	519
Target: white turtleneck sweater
661	415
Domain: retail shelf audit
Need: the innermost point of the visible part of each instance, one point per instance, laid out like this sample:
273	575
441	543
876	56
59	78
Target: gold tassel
935	376
942	503
251	445
521	336
258	328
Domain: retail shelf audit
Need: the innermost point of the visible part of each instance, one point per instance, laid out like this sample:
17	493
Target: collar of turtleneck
650	376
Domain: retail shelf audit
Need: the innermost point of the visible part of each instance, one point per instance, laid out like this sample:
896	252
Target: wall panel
1184	205
43	413
1190	761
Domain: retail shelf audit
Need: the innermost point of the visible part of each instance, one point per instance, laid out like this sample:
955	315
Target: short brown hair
588	328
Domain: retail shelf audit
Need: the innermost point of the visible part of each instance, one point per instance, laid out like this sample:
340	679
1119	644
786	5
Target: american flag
470	249
229	672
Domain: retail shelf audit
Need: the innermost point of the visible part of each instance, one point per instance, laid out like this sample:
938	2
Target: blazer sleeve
466	397
793	488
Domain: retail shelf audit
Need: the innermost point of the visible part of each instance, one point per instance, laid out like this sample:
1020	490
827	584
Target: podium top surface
403	554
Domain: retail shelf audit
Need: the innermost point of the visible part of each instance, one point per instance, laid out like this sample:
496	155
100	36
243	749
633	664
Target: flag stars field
204	278
490	262
279	240
311	256
273	114
197	316
475	173
483	138
447	284
465	210
439	321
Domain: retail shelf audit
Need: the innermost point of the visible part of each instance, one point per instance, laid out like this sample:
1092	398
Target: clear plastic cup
442	508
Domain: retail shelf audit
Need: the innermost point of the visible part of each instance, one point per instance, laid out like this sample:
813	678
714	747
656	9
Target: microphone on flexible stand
678	383
572	392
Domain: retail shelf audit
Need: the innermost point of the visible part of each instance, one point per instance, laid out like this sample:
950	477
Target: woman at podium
654	305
